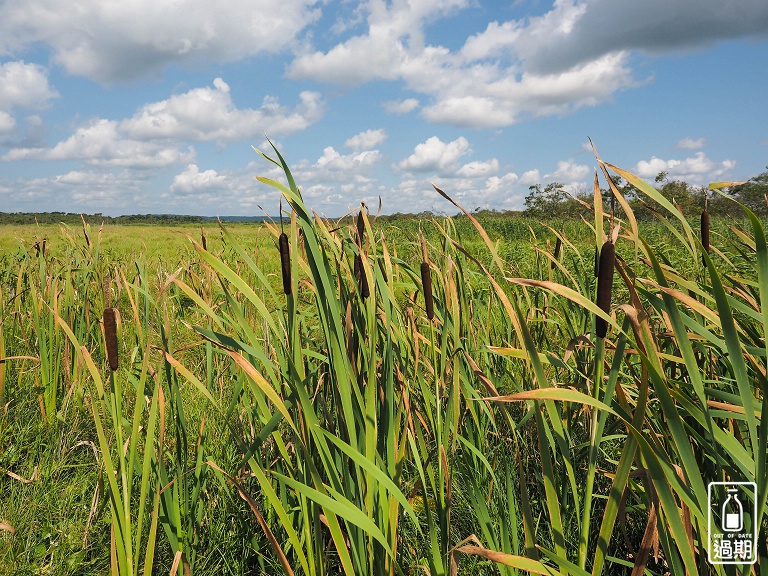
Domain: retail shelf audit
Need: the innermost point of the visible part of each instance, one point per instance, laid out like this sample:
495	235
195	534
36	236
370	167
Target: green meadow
476	394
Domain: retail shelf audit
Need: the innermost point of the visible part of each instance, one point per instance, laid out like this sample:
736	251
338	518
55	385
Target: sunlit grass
318	429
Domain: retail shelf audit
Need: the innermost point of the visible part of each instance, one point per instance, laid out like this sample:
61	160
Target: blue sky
152	106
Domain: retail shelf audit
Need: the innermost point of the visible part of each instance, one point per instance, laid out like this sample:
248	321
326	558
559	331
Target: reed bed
346	398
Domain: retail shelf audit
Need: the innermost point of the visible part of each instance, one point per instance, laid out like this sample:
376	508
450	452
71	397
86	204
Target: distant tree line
552	201
541	202
75	218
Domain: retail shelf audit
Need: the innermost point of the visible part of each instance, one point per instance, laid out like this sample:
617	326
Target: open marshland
445	396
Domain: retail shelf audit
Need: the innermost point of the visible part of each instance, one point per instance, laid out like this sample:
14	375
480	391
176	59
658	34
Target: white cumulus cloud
208	114
115	41
691	143
577	31
100	143
158	134
479	169
24	85
568	172
395	35
697	169
192	180
401	106
484	84
435	155
335	171
576	54
366	140
108	191
7	122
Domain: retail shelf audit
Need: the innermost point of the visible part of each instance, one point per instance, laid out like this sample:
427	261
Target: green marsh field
473	394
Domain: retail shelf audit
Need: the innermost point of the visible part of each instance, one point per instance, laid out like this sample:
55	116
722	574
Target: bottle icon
732	519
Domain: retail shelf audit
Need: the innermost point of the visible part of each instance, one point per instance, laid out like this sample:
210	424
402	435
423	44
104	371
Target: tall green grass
439	397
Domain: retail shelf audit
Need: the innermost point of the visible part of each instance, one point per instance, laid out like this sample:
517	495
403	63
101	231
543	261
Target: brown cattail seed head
426	282
362	279
285	262
202	238
705	233
558	247
360	228
358	265
110	337
605	285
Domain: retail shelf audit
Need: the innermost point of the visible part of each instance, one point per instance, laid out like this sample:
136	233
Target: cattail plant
85	232
426	282
360	228
605	264
110	337
285	262
705	229
285	256
605	285
556	253
362	279
597	261
202	238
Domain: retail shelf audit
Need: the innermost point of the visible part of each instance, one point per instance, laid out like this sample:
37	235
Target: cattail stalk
605	285
285	262
705	231
202	238
85	232
597	261
426	280
110	337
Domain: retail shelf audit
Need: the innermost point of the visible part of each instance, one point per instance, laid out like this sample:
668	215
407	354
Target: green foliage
72	218
324	432
752	194
545	202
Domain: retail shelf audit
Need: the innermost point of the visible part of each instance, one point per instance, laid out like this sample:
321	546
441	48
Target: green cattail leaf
558	394
371	468
190	377
340	506
721	185
568	293
519	562
735	349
